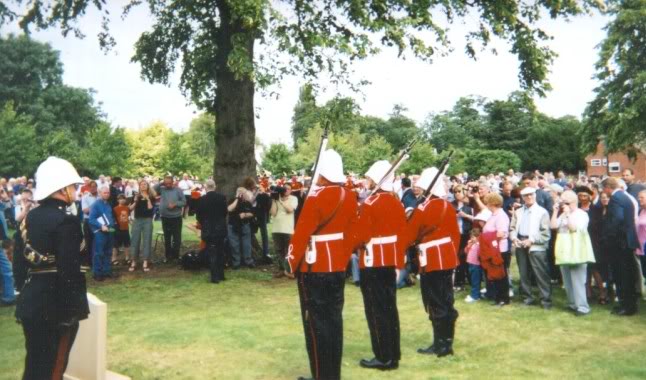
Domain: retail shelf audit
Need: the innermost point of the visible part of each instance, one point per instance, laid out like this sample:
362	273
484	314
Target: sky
131	102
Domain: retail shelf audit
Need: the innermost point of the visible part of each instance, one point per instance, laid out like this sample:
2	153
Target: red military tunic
381	228
435	225
330	249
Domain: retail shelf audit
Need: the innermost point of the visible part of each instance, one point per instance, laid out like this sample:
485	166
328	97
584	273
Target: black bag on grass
194	260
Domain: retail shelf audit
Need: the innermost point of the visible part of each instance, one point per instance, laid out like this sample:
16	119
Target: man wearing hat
433	226
318	253
53	300
530	234
381	225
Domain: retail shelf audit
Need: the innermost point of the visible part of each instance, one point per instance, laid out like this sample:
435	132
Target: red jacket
434	225
328	249
490	258
381	228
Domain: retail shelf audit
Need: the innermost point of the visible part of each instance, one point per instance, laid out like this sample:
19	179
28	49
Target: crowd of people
556	227
383	232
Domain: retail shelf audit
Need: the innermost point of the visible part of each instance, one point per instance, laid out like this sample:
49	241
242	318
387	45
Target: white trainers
469	299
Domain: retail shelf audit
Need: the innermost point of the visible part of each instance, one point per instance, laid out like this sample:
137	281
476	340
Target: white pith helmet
377	171
331	166
54	174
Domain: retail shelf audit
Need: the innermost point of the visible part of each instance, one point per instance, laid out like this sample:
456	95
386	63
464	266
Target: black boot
430	350
447	330
378	364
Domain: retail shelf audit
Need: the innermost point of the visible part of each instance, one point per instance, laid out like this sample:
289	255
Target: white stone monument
88	358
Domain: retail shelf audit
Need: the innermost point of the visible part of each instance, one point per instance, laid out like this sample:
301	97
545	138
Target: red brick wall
638	166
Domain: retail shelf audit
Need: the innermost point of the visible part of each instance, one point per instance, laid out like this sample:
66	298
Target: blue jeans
240	241
354	259
8	294
101	264
475	275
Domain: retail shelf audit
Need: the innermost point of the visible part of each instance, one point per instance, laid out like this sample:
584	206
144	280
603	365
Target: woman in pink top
499	222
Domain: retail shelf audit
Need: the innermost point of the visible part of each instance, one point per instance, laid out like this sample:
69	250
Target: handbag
572	248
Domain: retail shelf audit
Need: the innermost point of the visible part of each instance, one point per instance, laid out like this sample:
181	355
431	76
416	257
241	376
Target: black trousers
216	253
172	228
625	272
48	349
321	296
462	271
437	295
379	290
281	246
501	287
89	241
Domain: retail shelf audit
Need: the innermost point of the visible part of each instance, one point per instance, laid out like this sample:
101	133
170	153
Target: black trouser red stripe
321	297
378	287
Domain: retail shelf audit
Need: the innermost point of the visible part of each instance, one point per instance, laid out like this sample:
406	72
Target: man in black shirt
212	215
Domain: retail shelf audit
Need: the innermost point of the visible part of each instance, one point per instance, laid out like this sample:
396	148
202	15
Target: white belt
328	237
383	240
369	257
434	243
424	246
310	256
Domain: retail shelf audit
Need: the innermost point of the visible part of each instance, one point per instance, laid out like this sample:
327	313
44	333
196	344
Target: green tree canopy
277	159
17	137
107	152
513	125
148	147
618	111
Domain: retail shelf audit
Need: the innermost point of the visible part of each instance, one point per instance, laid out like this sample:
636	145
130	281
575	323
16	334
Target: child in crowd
122	233
8	294
475	270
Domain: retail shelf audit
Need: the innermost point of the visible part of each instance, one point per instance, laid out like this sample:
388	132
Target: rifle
322	146
403	156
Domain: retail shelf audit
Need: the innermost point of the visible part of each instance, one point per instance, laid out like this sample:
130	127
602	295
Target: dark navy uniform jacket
56	292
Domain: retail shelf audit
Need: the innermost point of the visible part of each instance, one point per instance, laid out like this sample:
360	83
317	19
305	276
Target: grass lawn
172	324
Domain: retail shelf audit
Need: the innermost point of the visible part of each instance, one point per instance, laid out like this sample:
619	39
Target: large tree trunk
235	130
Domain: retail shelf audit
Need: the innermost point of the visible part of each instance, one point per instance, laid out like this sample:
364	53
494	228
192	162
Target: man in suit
621	236
408	198
212	216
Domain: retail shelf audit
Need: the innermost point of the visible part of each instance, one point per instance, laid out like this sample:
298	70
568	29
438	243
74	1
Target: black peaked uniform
53	300
212	216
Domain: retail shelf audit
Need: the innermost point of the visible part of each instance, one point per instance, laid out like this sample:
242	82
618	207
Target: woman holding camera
240	216
282	210
142	228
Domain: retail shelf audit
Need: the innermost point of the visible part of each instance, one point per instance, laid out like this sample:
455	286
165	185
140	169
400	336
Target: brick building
600	164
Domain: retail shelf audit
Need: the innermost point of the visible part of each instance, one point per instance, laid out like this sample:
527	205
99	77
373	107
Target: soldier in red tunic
434	228
319	253
382	221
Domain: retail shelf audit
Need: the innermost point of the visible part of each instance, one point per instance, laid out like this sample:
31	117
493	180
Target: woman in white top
573	250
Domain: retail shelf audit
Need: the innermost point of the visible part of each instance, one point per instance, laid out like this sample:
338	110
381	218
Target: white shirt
186	185
579	218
